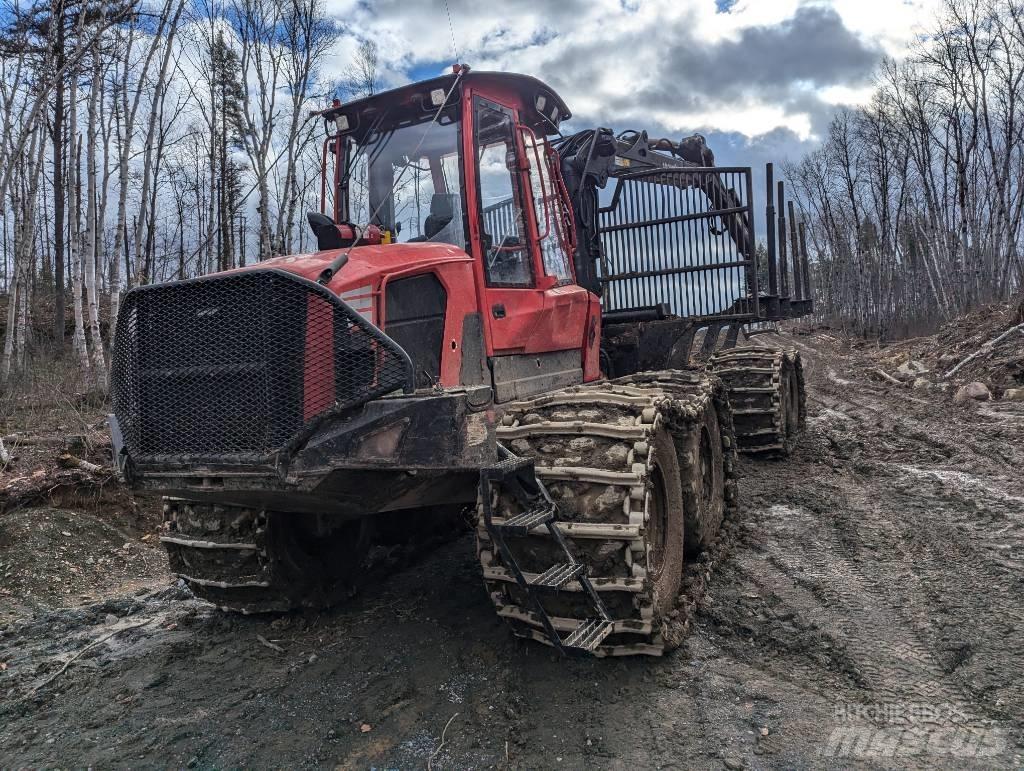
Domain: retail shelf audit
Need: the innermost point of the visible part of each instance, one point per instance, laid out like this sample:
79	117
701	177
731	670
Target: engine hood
368	265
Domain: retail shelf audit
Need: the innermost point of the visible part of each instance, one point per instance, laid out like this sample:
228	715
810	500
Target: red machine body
548	313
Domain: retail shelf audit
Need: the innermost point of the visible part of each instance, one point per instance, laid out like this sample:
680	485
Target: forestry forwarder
478	324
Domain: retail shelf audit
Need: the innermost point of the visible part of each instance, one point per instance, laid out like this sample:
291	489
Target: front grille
237	366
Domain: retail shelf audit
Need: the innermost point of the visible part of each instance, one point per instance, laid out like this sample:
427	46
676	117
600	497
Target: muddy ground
868	610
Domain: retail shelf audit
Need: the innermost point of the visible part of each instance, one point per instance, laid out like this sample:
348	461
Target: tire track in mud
950	477
966	571
892	579
850	633
834	593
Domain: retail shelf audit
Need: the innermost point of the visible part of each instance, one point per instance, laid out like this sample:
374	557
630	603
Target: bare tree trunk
307	36
89	247
129	113
257	21
21	328
147	166
74	186
13	293
59	194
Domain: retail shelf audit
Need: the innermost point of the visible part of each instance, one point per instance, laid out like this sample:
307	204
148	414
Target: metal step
557	576
224	584
522	524
588	635
508	467
754	370
523	482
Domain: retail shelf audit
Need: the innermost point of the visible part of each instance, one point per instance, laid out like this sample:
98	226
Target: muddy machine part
766	391
254	561
632	473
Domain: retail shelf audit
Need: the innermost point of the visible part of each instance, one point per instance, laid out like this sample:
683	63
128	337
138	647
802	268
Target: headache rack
680	239
669	242
241	367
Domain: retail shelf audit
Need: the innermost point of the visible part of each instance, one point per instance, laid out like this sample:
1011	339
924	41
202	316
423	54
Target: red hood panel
368	264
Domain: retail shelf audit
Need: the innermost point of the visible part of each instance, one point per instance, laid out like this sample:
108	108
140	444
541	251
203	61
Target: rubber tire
665	527
790	396
703	482
316	571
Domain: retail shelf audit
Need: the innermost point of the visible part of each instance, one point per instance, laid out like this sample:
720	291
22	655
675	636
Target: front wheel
253	561
627	462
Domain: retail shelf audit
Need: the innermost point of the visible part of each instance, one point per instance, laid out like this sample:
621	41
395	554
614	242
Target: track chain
221	553
766	390
592	446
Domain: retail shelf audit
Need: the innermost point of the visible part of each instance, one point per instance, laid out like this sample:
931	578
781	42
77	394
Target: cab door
535	316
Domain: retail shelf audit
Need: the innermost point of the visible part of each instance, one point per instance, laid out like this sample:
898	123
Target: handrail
523	129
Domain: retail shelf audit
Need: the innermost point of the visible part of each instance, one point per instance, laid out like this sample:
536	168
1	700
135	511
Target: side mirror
325	230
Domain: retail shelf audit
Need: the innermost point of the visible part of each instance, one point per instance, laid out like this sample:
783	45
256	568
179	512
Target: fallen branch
39	487
888	377
264	641
70	461
27	440
985	349
82	652
430	760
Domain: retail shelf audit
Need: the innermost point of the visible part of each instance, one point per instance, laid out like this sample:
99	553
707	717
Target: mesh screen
237	365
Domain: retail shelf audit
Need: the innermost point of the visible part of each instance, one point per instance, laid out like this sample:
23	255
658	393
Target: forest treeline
915	201
150	140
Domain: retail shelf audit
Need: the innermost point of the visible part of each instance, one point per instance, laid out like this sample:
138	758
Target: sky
760	79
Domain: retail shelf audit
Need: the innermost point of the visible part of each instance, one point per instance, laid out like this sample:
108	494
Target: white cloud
601	54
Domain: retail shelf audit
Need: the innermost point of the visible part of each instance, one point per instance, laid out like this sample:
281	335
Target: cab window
405	179
547	208
506	246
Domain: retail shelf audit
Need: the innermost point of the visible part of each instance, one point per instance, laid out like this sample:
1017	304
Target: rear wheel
664	524
766	390
705	481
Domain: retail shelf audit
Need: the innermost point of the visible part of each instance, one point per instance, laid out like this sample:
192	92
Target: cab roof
543	107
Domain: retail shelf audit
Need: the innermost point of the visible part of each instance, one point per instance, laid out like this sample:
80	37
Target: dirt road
868	609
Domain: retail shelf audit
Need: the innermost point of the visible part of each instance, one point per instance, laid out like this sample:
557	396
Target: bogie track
766	391
631	464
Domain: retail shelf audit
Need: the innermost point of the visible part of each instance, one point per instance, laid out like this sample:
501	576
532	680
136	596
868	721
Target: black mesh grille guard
242	367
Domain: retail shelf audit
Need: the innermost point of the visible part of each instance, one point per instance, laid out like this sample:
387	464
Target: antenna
451	29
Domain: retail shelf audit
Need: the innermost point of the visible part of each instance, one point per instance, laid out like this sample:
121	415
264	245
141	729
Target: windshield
406	181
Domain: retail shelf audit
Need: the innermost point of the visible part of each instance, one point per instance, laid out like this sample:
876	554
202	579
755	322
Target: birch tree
256	25
90	255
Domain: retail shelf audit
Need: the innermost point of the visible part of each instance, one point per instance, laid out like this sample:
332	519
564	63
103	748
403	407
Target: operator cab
464	160
396	158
